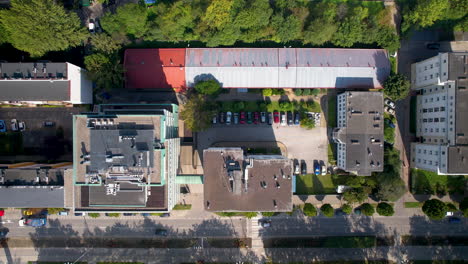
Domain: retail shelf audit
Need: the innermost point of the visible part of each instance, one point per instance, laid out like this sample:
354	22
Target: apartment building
359	133
125	159
441	112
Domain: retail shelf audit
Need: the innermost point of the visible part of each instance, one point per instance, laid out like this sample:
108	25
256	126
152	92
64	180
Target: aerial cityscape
234	131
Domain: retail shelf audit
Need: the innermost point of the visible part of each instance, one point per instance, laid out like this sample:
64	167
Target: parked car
454	220
290	118
264	223
249	118
263	117
433	46
91	26
3	127
389	103
389	110
161	232
21	126
49	124
270	118
357	211
215	120
256	117
324	169
236	118
389	123
128	214
276	117
317	169
297	118
222	118
283	118
297	169
303	167
242	118
228	118
63	213
14	125
165	215
145	214
80	214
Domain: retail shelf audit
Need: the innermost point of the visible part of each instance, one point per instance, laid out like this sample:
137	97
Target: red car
276	117
256	117
242	118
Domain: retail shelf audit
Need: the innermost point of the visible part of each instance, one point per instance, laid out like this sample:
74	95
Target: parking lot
301	144
53	142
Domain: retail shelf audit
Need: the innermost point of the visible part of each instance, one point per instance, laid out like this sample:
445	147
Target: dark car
2	126
276	117
389	123
433	46
297	118
317	168
80	214
165	215
454	220
242	118
128	214
270	118
303	167
249	118
290	118
161	232
145	214
49	124
236	118
222	118
256	117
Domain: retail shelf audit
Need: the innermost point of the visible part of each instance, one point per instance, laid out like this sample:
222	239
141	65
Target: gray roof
27	70
32	196
458	63
457	159
129	195
29	176
363	134
225	188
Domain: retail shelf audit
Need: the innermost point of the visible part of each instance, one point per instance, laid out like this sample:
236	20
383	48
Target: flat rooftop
33	176
33	70
234	182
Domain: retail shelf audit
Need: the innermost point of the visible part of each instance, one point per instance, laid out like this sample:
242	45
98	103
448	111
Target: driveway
301	144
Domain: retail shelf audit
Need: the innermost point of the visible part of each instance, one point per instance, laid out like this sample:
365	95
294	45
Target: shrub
55	210
307	123
306	92
346	208
269	214
355	195
113	214
278	91
284	105
451	207
327	210
298	92
309	210
435	209
367	209
94	215
267	92
385	209
208	87
464	206
315	91
250	214
239	106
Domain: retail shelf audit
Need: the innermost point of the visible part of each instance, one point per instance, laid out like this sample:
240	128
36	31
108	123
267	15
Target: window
424	110
430	110
430	152
443	129
430	120
424	151
425	68
432	66
436	109
436	119
419	151
445	61
445	73
432	99
443	152
437	130
432	77
442	108
435	140
436	153
424	120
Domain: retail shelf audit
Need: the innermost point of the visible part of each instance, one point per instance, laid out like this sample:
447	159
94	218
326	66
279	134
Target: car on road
256	117
49	123
80	214
165	215
454	220
14	125
263	117
242	118
433	46
249	118
270	118
21	126
297	118
228	118
283	118
317	169
303	167
264	223
161	232
276	117
222	118
215	120
128	214
3	127
290	118
389	103
236	118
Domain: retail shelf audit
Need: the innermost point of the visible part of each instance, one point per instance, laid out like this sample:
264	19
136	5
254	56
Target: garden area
427	182
313	184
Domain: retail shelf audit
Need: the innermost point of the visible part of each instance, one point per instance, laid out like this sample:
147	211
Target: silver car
228	118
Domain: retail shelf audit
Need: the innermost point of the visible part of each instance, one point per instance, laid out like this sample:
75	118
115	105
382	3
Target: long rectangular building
257	67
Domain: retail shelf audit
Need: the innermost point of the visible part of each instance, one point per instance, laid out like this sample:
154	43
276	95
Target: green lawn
426	182
331	153
182	207
312	184
11	143
413	205
331	115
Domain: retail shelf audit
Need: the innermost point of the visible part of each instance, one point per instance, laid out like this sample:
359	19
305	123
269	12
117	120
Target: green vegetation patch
182	207
413	205
313	184
427	182
331	113
231	214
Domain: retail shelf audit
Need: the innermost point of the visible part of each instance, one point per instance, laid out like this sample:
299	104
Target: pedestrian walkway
257	241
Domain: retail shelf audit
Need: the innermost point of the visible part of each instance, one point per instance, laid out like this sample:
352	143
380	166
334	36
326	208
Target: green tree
40	26
367	209
208	87
307	123
315	91
306	92
104	70
197	113
351	29
347	209
267	92
451	207
284	105
464	206
129	19
424	13
327	210
396	87
298	92
253	20
239	106
324	25
385	209
435	209
390	186
355	195
104	43
309	209
287	28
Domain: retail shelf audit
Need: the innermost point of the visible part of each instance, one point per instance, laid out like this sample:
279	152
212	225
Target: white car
228	118
324	170
91	26
390	103
14	125
390	110
283	119
22	126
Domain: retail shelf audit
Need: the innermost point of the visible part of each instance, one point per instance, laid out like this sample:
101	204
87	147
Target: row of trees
384	209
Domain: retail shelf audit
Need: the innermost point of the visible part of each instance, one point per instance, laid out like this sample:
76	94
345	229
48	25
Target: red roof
154	68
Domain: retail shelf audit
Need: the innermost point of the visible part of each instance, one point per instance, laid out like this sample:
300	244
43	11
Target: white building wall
425	156
81	89
341	110
341	155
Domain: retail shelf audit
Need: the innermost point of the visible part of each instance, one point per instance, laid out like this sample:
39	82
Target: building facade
359	133
44	83
126	159
441	109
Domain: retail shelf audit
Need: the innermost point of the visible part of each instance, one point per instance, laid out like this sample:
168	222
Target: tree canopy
464	206
396	87
197	112
309	209
40	26
327	210
355	195
390	186
367	209
435	209
128	19
385	209
208	87
104	70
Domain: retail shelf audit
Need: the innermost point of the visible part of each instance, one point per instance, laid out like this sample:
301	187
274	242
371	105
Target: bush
55	210
239	106
113	214
306	92
396	87
367	209
182	207
347	209
385	209
94	215
451	207
250	214
464	206
435	209
315	91
269	214
284	105
208	87
327	210
267	92
298	92
309	210
278	91
355	195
